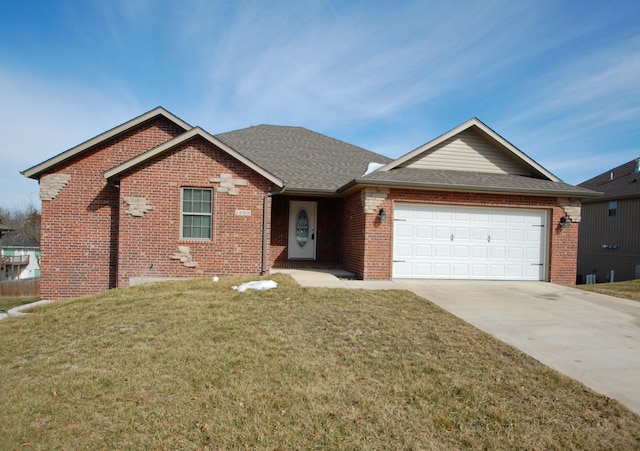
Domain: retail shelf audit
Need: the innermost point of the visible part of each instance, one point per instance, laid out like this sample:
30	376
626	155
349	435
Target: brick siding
80	224
147	242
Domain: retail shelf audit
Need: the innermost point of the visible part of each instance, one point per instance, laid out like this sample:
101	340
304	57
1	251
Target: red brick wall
563	251
351	255
146	243
78	249
377	236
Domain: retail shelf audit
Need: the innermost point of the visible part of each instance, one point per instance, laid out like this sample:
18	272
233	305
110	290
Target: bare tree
26	224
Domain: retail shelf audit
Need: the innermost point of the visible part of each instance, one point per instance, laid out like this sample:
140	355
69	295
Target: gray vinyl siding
598	229
468	151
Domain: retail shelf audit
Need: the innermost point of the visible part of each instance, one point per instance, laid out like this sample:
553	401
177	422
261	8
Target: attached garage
454	242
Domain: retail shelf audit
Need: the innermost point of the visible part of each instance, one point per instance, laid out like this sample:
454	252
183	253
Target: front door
302	230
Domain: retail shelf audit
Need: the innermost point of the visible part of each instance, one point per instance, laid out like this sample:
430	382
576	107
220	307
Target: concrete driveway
589	337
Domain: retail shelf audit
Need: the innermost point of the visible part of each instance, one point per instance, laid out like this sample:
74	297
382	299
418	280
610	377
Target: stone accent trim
52	184
572	208
184	255
373	197
137	206
228	184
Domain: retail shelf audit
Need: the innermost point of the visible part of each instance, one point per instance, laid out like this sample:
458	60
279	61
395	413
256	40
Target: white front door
302	230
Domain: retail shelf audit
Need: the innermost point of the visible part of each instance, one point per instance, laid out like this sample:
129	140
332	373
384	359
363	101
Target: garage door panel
441	270
469	242
496	271
514	235
460	251
461	233
403	230
516	271
498	234
515	253
479	271
498	218
404	215
423	251
404	250
497	252
459	270
423	232
442	251
479	252
442	233
442	216
532	254
422	269
480	233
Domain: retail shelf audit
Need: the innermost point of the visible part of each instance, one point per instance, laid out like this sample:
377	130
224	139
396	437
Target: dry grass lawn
196	365
629	289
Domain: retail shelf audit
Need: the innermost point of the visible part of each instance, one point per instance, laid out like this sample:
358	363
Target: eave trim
354	184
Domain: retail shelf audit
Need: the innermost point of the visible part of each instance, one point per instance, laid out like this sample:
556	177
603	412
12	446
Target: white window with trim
196	213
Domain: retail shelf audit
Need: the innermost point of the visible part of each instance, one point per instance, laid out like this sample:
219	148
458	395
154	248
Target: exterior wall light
382	215
565	222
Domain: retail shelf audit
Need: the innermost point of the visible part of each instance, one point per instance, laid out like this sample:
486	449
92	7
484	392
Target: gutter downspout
263	268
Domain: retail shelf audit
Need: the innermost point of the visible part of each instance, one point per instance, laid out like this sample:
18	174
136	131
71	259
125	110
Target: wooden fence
20	288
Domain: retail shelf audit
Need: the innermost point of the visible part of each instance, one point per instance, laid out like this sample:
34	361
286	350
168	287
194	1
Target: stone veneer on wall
52	184
137	206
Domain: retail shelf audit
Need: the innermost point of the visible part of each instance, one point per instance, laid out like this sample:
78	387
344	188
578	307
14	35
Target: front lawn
629	289
196	365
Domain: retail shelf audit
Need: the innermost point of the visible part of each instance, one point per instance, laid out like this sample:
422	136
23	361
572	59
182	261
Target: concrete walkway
19	310
592	338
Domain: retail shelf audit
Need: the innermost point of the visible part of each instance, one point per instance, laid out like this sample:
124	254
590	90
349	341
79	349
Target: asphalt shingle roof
624	183
474	181
304	159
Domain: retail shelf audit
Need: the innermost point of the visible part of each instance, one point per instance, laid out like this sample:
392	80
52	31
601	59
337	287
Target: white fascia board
38	169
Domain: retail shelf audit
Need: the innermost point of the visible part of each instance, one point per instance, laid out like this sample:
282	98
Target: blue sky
559	79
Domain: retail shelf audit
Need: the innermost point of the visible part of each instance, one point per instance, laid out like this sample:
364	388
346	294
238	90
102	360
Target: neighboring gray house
609	242
4	230
19	255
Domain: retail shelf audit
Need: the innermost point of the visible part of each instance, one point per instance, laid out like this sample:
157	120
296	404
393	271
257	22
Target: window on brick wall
196	213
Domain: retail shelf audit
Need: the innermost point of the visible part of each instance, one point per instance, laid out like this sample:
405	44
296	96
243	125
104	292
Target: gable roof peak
511	151
197	131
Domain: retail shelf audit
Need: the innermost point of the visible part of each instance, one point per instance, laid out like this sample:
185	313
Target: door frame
308	251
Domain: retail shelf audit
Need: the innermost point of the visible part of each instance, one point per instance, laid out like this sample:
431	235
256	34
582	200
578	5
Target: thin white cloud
574	111
45	118
360	65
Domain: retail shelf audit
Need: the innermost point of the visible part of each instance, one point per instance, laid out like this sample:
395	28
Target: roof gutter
263	268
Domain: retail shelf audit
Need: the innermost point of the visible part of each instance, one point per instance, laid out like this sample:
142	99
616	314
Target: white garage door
440	242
